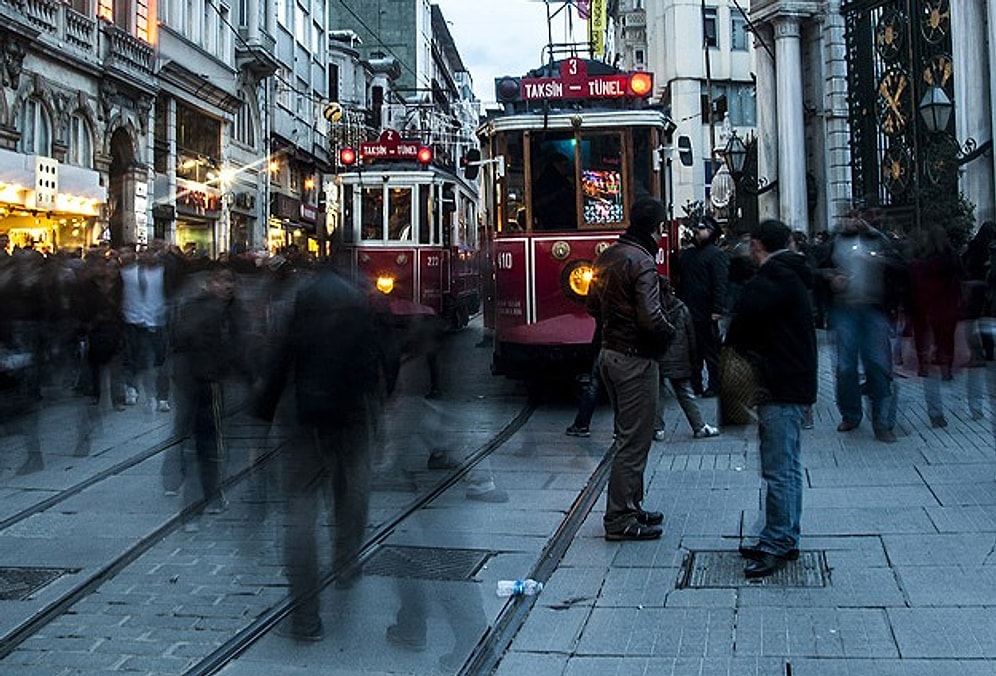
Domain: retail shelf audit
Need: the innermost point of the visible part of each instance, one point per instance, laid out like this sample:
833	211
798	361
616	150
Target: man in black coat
702	277
773	328
334	355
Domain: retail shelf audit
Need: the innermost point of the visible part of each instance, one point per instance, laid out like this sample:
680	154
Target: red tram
409	230
575	145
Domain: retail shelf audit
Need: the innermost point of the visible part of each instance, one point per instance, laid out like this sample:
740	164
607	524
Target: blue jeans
862	332
779	429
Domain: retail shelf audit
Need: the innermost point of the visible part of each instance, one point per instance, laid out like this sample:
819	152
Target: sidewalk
898	573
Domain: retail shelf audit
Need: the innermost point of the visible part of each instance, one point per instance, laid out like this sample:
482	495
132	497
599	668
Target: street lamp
735	157
935	111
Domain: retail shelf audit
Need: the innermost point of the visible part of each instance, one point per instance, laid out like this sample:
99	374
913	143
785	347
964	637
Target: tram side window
399	223
348	224
514	214
553	191
372	213
602	194
428	225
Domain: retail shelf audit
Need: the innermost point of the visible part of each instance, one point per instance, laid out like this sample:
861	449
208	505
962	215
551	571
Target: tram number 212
505	260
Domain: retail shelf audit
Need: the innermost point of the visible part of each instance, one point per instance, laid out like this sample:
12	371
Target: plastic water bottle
528	587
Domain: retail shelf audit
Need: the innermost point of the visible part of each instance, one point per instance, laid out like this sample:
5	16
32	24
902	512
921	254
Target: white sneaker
163	406
131	396
706	431
659	435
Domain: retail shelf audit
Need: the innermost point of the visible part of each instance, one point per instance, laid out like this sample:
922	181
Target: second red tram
574	147
409	229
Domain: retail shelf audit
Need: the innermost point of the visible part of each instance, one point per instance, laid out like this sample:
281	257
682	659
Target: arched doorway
121	190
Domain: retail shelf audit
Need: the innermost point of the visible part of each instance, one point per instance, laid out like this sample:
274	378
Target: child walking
676	365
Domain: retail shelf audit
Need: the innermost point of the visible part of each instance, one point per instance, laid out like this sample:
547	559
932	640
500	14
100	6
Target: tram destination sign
575	83
390	146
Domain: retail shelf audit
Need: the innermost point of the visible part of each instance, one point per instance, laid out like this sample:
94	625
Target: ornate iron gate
897	50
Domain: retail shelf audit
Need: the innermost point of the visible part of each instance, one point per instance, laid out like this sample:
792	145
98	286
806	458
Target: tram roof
567	119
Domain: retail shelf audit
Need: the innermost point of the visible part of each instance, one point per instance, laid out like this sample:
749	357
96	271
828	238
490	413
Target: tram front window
601	180
372	213
553	185
399	225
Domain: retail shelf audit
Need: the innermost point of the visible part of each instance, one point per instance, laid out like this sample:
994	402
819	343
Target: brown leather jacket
625	298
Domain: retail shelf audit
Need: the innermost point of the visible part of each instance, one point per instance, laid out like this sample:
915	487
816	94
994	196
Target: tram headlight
385	284
577	279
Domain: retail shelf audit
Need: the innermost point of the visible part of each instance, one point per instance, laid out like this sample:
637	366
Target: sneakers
131	396
659	435
414	642
706	431
163	406
575	431
218	505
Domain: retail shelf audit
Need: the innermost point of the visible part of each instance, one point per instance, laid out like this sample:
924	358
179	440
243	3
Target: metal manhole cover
17	584
426	563
712	569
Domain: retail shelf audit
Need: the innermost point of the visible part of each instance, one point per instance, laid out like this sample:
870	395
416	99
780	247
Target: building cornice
762	11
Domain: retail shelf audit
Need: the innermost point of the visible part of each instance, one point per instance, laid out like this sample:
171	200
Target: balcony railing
80	30
125	53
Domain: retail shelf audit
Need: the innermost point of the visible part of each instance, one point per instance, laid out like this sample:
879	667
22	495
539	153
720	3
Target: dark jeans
333	461
145	360
589	396
707	350
199	416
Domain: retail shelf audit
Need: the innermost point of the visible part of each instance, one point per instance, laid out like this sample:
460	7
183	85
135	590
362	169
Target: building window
738	32
736	100
709	27
638	57
244	132
36	132
333	82
80	142
243	13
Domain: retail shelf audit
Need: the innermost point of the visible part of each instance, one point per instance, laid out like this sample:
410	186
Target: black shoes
885	436
635	531
763	566
753	553
847	426
650	518
440	459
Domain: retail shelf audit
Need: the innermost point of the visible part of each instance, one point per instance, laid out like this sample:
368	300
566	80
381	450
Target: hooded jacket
773	328
625	299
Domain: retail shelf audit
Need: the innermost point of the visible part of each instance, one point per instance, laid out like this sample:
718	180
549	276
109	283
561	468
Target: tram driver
553	195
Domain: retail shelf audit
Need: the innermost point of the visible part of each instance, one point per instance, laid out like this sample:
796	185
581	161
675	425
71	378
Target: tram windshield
561	181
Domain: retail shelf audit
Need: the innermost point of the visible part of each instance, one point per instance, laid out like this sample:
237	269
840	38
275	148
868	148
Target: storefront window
198	144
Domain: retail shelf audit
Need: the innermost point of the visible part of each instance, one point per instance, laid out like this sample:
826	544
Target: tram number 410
504	260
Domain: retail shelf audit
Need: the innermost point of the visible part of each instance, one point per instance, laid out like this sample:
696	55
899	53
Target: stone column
838	135
767	120
791	127
973	102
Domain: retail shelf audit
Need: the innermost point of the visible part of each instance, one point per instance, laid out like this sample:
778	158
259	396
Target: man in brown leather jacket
625	298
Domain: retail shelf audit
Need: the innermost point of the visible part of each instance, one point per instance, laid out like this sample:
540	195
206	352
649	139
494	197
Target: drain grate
426	563
17	584
722	569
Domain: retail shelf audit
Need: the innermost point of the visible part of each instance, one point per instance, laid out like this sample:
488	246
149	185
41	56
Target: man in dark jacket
773	327
625	300
333	354
702	277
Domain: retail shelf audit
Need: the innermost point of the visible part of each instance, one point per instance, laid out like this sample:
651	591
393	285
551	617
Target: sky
502	37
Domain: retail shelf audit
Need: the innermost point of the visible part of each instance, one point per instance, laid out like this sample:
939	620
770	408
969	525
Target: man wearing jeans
773	328
625	301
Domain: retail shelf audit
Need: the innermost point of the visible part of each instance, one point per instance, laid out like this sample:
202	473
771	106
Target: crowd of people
761	295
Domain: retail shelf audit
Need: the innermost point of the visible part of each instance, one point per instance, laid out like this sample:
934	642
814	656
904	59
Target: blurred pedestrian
866	276
331	354
625	299
675	366
773	328
703	272
207	352
978	270
590	389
